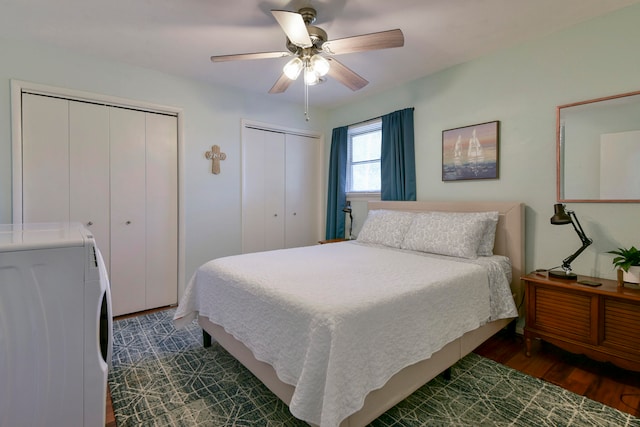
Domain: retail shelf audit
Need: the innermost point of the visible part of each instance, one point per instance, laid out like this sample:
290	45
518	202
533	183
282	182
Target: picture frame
471	152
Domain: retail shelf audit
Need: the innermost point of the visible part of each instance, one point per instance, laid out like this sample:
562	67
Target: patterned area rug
164	377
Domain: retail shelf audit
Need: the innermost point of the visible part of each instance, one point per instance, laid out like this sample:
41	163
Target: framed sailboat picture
470	152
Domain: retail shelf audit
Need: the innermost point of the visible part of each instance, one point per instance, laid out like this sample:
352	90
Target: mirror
598	150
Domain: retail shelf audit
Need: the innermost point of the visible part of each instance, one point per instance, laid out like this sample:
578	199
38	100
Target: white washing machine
55	326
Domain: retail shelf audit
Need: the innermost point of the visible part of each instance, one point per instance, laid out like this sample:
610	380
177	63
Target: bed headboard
509	232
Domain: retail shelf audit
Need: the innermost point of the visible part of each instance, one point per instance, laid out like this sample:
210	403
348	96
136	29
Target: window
363	157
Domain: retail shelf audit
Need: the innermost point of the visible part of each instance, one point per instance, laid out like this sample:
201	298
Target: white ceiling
179	36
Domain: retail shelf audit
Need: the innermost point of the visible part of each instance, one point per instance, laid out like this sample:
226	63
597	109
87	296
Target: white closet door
301	191
89	170
45	159
114	170
273	161
128	252
162	210
262	190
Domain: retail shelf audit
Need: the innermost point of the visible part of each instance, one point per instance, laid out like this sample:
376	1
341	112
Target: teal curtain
337	196
397	157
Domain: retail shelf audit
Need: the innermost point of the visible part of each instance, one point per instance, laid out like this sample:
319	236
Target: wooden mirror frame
560	190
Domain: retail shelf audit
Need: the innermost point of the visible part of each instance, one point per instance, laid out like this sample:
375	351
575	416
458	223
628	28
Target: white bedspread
337	321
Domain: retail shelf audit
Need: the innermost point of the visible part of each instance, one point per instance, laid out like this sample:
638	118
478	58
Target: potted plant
628	260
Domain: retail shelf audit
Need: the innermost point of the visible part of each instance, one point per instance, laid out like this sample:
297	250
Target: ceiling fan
313	53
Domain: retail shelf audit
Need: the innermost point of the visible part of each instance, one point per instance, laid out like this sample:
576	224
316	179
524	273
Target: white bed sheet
336	335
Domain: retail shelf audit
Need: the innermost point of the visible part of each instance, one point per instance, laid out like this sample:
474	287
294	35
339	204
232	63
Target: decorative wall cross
215	156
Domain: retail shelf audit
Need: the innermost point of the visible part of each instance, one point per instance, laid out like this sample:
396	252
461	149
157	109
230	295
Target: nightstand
601	322
322	242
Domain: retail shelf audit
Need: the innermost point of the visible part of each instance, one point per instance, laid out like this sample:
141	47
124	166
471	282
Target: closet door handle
90	223
128	222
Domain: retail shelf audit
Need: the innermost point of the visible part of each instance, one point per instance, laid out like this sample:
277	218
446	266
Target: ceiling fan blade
373	41
294	27
281	84
244	56
345	75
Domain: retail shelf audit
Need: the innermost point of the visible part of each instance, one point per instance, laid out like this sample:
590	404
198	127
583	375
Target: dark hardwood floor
602	382
110	419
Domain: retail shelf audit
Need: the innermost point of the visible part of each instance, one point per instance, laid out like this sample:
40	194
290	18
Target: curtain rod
364	121
375	118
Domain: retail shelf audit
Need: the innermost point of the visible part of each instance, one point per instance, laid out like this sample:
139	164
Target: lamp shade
310	77
292	68
319	65
560	216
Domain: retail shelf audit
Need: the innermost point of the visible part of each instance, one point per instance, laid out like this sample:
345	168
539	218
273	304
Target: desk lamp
347	209
561	217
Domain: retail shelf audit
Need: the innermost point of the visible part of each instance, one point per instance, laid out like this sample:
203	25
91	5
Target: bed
354	356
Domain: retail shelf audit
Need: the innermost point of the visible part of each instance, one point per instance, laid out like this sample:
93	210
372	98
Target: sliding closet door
89	171
128	212
45	159
273	169
280	190
115	170
262	190
162	209
301	190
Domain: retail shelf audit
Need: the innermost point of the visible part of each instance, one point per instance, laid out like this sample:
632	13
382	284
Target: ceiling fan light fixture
292	68
310	76
320	65
312	52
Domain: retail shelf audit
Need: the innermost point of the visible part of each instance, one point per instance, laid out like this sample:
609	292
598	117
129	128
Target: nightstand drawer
567	314
621	325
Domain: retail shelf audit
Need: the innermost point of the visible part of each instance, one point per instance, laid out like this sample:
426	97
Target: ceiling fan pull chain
306	101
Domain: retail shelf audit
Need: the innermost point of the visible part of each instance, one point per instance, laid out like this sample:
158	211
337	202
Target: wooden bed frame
509	242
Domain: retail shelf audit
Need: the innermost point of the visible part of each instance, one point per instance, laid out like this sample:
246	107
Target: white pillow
385	227
489	235
446	233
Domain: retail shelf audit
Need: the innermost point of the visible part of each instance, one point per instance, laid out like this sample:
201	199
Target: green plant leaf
626	258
